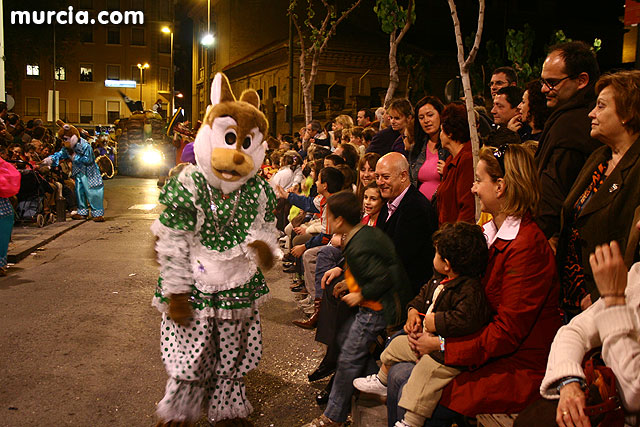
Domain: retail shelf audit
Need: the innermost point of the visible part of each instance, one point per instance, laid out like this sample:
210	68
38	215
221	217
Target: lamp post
142	67
206	41
167	30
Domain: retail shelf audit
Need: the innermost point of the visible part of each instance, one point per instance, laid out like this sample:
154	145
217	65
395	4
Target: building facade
252	49
102	52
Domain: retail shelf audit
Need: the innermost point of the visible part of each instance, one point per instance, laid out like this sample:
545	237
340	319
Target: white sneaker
401	423
370	384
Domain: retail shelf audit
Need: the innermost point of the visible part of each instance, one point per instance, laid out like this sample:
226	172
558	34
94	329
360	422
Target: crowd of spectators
408	171
24	146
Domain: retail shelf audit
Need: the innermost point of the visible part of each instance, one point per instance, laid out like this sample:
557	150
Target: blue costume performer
85	172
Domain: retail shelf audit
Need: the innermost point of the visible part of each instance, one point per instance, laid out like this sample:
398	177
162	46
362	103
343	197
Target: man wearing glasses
568	75
502	77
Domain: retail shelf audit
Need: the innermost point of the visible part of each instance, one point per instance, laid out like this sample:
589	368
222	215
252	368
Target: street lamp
167	30
142	67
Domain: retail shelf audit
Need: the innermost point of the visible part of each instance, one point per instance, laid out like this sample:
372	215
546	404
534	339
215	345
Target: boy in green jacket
377	283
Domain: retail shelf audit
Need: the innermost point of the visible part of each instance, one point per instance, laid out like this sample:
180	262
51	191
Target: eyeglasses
498	83
552	83
499	155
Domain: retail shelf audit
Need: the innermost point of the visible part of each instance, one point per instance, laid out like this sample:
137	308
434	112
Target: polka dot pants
206	362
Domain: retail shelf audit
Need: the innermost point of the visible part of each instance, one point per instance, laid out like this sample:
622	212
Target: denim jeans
354	361
396	379
328	257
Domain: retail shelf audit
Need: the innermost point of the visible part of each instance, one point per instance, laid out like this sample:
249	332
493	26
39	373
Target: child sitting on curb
377	283
454	305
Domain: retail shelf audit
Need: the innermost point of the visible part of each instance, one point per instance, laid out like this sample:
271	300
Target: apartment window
61	73
113	72
113	111
137	37
85	4
137	5
86	111
164	44
113	35
86	73
33	71
164	10
33	106
87	36
113	4
62	107
164	79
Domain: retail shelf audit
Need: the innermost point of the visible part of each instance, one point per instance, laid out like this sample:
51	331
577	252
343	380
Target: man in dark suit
407	218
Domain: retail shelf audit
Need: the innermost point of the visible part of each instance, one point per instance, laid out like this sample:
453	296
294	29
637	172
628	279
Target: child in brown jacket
451	304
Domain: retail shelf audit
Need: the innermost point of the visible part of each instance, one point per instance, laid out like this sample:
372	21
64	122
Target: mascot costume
215	234
85	172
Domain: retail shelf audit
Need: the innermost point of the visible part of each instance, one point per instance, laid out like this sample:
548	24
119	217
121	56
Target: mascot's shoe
98	218
76	216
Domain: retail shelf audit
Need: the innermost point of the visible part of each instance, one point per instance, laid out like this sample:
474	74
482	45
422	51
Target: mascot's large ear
60	123
221	90
251	96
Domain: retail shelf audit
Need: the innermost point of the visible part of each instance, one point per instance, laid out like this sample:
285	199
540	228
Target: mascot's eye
230	138
247	143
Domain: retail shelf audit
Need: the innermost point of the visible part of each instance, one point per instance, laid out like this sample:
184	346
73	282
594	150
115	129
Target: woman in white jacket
613	322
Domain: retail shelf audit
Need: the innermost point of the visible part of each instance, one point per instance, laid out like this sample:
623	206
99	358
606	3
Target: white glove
48	161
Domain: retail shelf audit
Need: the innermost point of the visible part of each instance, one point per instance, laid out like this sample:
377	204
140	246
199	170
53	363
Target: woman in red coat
454	199
506	359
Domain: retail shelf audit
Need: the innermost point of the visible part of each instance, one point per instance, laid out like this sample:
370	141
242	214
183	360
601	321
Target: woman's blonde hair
345	121
516	166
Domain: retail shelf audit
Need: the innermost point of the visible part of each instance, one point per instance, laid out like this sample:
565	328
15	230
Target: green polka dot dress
202	250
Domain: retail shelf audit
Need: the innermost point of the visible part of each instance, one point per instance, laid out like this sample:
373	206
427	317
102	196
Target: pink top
428	176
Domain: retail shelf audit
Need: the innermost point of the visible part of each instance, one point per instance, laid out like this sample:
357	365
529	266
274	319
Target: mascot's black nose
238	158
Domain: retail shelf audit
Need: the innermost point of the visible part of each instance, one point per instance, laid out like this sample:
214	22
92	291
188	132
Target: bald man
407	218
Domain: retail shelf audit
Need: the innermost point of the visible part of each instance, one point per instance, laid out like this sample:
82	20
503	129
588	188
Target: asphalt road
79	340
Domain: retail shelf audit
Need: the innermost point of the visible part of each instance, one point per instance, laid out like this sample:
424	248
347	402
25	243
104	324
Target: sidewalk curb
16	257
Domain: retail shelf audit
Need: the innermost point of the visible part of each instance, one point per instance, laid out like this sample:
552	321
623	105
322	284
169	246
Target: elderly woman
612	323
508	355
423	158
600	206
453	196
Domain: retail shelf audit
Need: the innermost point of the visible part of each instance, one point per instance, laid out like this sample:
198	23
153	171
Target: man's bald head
392	175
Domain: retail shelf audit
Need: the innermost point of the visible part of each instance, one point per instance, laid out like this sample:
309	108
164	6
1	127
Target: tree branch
476	42
407	24
332	30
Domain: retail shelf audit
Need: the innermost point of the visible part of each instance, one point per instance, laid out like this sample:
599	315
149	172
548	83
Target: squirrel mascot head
230	147
69	134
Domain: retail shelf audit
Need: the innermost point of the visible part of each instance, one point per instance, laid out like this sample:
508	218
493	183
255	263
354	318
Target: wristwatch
568	380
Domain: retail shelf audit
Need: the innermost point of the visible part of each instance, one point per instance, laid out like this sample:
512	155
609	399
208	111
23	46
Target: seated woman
366	172
521	285
600	206
613	323
453	196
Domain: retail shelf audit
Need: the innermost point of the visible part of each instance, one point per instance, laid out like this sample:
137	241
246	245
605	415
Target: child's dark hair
337	160
345	204
464	246
333	178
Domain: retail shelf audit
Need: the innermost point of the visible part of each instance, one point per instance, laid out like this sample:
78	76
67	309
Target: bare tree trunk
394	79
394	41
466	81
